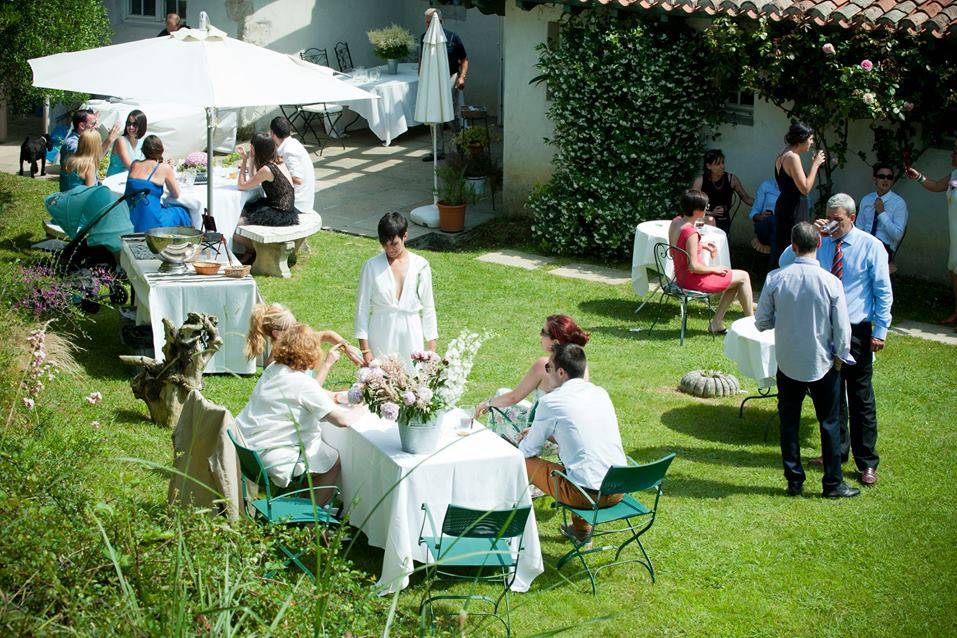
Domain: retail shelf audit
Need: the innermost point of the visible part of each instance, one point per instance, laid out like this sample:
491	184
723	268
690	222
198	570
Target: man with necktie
883	213
805	306
859	260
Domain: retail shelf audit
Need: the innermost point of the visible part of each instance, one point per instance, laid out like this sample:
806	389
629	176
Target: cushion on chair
322	108
628	507
463	551
294	510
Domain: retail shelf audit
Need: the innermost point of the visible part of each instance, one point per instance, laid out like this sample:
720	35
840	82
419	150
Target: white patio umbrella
201	67
433	106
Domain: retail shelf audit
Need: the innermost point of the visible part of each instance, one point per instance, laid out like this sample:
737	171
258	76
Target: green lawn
733	556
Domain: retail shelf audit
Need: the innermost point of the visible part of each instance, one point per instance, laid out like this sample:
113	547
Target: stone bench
274	244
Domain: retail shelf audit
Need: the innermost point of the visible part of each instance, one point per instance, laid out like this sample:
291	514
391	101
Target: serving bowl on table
206	267
174	245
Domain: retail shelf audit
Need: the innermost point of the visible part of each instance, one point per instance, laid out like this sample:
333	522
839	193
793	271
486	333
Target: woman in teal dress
147	210
80	169
128	147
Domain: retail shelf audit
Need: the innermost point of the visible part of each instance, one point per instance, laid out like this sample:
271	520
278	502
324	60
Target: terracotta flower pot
452	218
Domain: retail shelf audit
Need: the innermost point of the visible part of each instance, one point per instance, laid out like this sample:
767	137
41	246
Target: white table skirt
228	201
647	234
174	296
394	112
752	351
480	471
181	127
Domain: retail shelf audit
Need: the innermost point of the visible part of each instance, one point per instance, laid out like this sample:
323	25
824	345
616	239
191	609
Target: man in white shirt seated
296	158
580	418
883	213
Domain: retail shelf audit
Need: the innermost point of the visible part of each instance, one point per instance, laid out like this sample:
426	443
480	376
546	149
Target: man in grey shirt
805	306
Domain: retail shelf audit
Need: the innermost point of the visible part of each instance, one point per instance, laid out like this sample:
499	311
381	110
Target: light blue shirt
866	280
890	224
805	306
765	198
581	418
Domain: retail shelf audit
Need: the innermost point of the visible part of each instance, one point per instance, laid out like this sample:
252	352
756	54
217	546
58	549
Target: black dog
35	149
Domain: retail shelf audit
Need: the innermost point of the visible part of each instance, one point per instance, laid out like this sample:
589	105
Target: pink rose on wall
867	65
828	49
908	106
869	98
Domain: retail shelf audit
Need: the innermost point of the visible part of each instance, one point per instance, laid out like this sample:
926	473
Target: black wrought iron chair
668	287
303	117
343	57
316	56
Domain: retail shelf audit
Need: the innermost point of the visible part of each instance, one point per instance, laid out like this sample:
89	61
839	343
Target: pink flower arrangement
196	159
828	49
867	65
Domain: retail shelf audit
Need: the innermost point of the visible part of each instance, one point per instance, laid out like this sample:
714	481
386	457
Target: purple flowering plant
39	293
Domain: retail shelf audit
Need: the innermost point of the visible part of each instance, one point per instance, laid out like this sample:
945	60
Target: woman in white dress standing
948	184
395	311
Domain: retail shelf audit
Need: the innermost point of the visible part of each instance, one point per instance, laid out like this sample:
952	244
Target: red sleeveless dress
710	282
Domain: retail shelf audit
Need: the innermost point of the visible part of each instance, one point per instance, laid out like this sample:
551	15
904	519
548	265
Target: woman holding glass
792	205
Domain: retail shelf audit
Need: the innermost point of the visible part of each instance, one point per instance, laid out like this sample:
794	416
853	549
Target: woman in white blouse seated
395	311
283	419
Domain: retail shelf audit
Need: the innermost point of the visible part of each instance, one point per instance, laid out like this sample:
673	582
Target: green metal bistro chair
637	517
482	540
668	287
283	509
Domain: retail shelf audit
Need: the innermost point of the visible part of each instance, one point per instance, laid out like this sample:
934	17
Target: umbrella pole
435	170
209	160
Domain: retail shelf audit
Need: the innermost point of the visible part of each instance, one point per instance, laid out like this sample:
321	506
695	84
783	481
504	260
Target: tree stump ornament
165	385
707	384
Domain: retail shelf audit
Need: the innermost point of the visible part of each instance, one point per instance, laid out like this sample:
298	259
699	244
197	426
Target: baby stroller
94	219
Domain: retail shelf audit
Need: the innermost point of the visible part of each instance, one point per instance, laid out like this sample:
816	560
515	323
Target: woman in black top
792	206
278	207
720	187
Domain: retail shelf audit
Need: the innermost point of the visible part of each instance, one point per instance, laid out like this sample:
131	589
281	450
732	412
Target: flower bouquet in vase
416	396
391	44
195	167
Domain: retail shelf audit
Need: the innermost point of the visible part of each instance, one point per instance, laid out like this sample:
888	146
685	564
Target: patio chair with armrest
638	518
286	508
669	287
487	544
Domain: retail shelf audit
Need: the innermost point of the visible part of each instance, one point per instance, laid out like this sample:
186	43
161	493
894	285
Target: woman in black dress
792	206
263	168
720	187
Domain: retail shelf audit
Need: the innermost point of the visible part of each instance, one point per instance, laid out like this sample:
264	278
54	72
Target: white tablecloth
647	234
173	296
752	351
394	112
181	127
228	201
480	471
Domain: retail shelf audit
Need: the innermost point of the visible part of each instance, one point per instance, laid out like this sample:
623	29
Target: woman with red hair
557	329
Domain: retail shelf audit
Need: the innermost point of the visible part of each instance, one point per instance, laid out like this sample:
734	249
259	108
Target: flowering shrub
417	393
392	42
630	97
38	292
40	368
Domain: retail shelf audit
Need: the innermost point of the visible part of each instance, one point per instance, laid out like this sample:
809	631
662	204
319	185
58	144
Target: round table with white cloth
752	351
647	234
394	112
228	200
181	127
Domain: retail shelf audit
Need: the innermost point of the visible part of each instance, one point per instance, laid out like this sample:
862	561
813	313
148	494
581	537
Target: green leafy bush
630	98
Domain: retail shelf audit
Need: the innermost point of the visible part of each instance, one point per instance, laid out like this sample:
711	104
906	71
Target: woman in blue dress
146	209
128	147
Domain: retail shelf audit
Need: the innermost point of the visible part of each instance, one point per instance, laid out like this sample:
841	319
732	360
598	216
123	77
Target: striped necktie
837	266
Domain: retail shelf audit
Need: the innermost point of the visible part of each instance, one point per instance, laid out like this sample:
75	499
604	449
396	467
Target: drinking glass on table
464	422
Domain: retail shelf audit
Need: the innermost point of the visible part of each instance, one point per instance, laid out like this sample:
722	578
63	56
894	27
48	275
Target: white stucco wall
750	152
526	158
482	37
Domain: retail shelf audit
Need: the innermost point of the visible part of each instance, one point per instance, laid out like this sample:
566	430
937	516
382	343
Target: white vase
420	437
477	184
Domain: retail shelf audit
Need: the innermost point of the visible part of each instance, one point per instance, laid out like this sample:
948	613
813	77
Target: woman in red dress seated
692	274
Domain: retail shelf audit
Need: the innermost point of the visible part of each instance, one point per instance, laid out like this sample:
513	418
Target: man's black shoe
795	488
430	157
841	491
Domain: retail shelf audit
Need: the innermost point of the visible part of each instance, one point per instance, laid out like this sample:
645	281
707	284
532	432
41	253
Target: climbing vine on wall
630	97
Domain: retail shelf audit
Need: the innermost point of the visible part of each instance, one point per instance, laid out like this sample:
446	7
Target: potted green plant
472	140
482	172
392	43
455	194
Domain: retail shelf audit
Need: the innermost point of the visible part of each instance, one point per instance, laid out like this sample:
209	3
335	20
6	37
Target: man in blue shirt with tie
859	260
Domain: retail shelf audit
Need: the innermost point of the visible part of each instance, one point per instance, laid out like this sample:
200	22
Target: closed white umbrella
433	106
201	67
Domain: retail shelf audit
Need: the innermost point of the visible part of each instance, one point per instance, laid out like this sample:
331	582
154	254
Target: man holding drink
859	260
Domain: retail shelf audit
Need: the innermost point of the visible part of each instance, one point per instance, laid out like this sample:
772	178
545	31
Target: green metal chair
637	517
474	539
284	508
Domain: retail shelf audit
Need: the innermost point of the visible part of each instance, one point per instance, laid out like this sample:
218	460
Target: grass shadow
720	423
711	455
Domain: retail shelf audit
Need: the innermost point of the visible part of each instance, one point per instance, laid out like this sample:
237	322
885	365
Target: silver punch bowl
174	245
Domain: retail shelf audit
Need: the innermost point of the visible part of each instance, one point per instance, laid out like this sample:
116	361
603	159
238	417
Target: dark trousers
825	395
764	230
857	401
